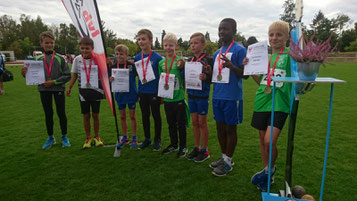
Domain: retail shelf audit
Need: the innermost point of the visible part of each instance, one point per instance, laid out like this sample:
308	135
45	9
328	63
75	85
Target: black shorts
261	120
86	105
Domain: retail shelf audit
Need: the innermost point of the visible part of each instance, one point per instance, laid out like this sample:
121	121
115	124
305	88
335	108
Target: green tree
207	37
341	21
210	47
162	36
289	12
346	38
352	47
26	46
9	31
157	44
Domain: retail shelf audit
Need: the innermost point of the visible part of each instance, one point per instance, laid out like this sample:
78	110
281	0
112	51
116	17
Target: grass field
30	173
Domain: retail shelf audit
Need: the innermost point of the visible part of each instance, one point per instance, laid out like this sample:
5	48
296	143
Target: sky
182	17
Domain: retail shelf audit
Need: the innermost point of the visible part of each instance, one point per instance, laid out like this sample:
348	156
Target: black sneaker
145	144
182	152
202	156
193	154
169	149
157	146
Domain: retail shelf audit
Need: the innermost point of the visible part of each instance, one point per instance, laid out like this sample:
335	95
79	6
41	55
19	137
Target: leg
133	121
155	102
202	119
276	133
46	100
124	126
171	121
181	122
231	140
145	113
96	123
265	158
222	136
86	124
196	128
61	110
1	87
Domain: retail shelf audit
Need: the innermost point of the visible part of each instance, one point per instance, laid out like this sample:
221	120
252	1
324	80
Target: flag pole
105	51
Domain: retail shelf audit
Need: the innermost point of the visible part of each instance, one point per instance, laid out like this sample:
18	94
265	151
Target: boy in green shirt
175	108
279	66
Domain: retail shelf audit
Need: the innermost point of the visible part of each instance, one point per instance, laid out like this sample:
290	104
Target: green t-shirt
179	93
263	101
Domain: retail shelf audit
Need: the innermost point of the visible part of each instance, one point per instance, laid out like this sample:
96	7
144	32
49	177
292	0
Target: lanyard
220	64
167	74
272	71
147	63
199	59
49	69
124	65
85	68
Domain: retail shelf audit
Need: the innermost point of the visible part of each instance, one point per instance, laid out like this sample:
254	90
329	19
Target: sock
267	169
224	155
64	135
204	150
51	137
198	148
134	137
228	160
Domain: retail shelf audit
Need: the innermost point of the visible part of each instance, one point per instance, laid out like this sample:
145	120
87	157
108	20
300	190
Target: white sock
228	160
267	169
224	156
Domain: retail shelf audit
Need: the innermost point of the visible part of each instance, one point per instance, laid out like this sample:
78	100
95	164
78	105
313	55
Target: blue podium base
275	197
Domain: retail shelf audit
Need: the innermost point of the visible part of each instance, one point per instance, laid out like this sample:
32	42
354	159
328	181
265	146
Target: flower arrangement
312	51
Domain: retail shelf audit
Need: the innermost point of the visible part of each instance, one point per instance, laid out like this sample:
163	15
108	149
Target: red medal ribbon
124	65
199	59
168	74
220	64
49	69
85	68
147	63
272	72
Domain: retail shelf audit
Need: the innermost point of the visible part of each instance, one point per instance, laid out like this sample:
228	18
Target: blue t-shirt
152	86
234	89
206	84
132	95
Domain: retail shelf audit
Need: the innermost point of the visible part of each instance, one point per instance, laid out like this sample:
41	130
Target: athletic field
30	173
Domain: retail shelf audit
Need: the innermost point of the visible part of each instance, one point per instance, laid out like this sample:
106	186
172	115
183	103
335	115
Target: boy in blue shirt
126	98
227	98
57	74
148	99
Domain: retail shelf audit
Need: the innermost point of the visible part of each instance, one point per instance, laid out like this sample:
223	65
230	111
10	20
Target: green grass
30	173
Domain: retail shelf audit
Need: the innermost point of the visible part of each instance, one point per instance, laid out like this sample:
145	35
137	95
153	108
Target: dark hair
86	41
232	22
251	40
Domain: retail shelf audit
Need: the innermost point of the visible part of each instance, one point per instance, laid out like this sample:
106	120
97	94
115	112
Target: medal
166	87
144	81
220	64
87	72
88	85
49	68
267	90
219	77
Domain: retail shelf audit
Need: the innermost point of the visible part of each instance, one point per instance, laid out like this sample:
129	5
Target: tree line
23	37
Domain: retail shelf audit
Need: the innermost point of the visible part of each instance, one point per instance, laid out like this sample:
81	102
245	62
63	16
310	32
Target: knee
95	116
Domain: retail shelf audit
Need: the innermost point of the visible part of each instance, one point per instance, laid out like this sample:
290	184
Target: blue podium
268	196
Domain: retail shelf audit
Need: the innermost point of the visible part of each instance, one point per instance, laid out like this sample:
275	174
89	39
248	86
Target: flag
86	19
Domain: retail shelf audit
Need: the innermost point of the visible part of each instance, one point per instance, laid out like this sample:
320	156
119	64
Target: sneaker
145	144
88	143
169	149
157	146
215	164
49	142
193	153
134	142
202	156
264	186
98	142
124	140
65	142
222	169
182	152
261	177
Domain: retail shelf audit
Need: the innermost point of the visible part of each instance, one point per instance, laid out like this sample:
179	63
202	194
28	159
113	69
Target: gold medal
88	85
166	87
144	81
267	90
219	77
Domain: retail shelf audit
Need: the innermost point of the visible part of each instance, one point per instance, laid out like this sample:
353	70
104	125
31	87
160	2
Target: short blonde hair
280	25
198	34
170	37
122	48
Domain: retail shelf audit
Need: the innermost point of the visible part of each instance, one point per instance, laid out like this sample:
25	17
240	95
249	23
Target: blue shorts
131	106
230	112
199	106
